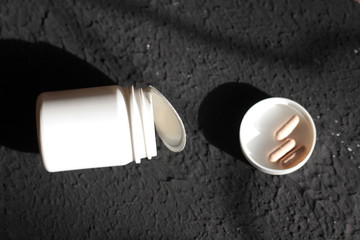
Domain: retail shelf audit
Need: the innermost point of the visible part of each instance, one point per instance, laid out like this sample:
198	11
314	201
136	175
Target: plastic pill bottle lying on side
104	126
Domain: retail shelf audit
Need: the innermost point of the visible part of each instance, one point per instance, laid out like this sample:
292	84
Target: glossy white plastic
257	133
100	127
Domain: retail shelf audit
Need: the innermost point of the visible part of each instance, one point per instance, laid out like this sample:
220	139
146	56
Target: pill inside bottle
287	127
281	150
294	157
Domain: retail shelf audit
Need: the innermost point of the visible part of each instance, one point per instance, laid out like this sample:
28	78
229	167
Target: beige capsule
281	150
294	157
285	129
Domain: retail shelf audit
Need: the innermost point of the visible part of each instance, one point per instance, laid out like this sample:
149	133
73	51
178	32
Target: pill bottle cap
257	133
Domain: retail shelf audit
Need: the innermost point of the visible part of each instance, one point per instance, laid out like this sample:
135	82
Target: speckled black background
212	59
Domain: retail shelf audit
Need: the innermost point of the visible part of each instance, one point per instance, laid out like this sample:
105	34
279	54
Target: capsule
287	127
293	157
281	150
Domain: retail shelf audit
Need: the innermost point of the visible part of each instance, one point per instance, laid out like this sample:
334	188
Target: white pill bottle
104	126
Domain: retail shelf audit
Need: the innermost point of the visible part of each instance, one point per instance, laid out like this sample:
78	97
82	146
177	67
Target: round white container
257	130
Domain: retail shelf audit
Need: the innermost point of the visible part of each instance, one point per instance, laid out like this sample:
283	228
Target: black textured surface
199	54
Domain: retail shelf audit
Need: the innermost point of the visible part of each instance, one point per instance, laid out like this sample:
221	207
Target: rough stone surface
308	51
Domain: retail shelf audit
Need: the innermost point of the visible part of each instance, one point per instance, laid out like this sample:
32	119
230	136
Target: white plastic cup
98	127
259	125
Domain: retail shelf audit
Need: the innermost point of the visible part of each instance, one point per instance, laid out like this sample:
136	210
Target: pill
293	157
287	127
281	150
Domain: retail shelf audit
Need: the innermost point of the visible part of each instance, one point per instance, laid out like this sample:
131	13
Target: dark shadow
220	116
221	112
28	69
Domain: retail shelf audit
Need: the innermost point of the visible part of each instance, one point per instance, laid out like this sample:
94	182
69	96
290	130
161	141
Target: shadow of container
220	116
221	112
27	70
